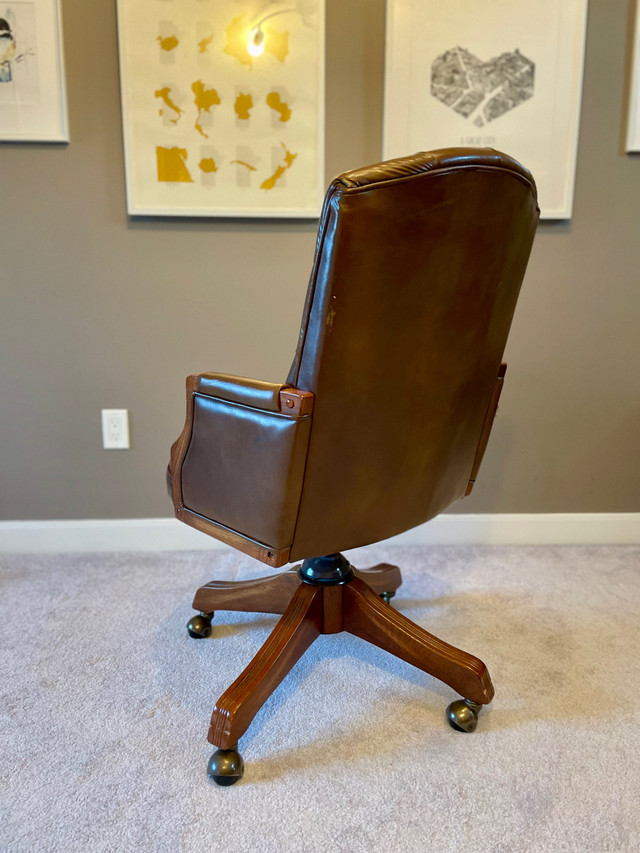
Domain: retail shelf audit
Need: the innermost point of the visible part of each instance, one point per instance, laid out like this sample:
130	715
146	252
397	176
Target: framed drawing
505	75
633	117
33	105
223	107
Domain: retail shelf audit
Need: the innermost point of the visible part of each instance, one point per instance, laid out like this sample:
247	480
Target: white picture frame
505	75
211	129
633	115
33	103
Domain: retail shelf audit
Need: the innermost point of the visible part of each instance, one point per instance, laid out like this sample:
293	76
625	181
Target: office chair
381	424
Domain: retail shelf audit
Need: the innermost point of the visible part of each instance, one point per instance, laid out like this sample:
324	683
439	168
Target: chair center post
329	569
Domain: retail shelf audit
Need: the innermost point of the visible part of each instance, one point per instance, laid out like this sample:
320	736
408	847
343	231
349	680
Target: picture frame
223	107
505	75
633	114
33	103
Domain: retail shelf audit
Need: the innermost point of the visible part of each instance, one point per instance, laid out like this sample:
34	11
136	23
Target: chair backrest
418	266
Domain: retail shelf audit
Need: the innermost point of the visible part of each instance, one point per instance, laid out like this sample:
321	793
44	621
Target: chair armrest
239	389
268	396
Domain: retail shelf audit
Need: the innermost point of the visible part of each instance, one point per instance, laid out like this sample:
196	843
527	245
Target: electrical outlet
115	429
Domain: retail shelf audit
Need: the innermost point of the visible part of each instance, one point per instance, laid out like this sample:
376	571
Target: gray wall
102	312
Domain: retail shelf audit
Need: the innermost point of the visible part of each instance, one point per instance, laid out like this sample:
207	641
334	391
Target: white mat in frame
504	75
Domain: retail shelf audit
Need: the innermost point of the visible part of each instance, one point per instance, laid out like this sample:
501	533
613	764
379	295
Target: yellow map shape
168	43
243	104
204	43
164	94
273	101
275	43
208	164
204	100
242	163
270	183
171	165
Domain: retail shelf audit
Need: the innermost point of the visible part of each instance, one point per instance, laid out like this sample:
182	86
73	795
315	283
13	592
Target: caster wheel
462	715
225	767
199	626
387	596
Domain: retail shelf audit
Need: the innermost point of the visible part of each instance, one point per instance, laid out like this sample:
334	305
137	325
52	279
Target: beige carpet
105	706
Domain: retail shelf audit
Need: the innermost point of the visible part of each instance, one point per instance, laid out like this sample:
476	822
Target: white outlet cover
115	429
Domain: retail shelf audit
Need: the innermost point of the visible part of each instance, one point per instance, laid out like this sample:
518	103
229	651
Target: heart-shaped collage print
482	91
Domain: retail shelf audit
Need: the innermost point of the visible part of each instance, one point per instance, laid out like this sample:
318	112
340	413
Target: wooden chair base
310	609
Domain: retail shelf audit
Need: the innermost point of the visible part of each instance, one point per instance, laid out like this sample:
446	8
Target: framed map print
504	75
223	107
33	105
633	118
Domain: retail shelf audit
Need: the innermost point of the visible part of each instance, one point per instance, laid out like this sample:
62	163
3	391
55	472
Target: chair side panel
243	469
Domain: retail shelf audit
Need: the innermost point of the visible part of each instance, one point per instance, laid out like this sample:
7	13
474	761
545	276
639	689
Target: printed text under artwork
482	91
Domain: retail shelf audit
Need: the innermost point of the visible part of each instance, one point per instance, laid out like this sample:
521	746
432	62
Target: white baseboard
168	534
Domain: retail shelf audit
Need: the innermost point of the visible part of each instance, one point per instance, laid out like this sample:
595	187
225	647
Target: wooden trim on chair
295	402
179	449
486	428
270	556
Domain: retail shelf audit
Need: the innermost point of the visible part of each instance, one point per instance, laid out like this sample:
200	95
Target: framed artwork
33	106
223	107
633	118
505	75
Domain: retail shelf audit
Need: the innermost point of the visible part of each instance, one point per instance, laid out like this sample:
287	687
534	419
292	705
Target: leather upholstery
418	266
244	468
239	389
428	161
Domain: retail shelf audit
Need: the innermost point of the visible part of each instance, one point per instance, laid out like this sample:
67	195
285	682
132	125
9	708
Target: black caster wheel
199	626
387	596
462	715
225	767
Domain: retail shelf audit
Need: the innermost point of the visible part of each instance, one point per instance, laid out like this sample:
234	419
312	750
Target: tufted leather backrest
418	266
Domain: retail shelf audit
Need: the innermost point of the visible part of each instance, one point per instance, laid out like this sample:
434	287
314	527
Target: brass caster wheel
462	715
199	626
387	596
225	766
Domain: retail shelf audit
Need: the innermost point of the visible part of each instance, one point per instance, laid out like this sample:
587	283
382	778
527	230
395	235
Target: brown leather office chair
380	425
